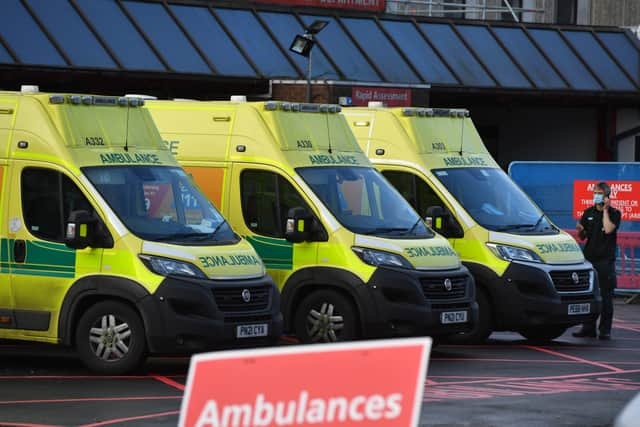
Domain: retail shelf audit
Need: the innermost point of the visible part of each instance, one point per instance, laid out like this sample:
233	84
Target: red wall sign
374	383
378	5
625	196
392	97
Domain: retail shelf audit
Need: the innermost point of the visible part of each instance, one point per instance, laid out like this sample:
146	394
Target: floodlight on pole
302	44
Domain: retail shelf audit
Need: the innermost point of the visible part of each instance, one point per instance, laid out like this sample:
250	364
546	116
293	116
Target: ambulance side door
6	296
42	267
8	108
262	197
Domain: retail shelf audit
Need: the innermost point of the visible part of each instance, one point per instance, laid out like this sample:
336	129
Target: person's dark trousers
606	271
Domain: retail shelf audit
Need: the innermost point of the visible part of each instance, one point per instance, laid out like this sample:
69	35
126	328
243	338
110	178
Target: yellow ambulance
108	246
351	257
530	276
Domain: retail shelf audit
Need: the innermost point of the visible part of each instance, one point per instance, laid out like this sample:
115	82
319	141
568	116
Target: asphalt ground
506	382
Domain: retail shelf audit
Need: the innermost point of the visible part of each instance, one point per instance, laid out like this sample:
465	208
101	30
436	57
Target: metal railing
469	9
627	260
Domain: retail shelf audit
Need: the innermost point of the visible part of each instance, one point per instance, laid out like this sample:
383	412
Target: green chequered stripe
277	254
42	259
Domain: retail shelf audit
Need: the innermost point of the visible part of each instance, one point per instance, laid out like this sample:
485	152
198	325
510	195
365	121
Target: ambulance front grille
564	281
231	300
434	288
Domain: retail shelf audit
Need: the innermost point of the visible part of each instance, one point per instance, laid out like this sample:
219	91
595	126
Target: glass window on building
285	27
119	33
71	33
494	57
213	40
529	57
36	49
623	50
421	55
599	60
167	37
258	44
563	57
5	58
383	53
456	54
342	50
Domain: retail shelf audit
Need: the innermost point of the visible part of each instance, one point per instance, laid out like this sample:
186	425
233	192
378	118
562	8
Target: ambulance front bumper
415	302
532	295
188	315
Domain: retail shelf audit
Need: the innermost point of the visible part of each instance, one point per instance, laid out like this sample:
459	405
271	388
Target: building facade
536	90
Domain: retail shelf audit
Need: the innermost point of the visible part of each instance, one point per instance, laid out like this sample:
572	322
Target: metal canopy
193	38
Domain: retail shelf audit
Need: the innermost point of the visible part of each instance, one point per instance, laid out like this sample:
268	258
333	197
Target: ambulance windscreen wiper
219	226
383	230
513	227
178	236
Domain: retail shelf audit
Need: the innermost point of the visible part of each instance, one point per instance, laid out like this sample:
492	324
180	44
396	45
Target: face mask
598	198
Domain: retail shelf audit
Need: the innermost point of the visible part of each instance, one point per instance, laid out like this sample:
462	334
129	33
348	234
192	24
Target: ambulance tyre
110	338
482	328
326	316
543	333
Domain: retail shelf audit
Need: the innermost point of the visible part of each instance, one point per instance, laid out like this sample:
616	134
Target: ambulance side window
48	197
266	200
414	190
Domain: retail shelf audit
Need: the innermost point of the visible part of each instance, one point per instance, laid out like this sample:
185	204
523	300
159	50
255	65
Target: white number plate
453	317
579	308
248	331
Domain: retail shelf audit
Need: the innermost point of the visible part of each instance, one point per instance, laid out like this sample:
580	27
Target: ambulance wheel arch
90	290
307	285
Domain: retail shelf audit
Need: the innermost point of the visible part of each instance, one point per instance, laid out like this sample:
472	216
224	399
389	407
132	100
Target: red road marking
88	399
627	328
576	359
170	382
85	377
480	359
124	420
3	423
551	377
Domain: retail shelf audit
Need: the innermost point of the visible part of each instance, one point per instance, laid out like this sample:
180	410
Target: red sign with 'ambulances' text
625	196
374	383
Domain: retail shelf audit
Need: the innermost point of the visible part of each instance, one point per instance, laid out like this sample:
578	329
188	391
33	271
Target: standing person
599	225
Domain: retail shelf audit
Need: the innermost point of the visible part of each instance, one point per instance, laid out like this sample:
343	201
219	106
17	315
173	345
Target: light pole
302	44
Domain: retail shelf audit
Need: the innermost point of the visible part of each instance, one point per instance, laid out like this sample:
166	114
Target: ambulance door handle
19	251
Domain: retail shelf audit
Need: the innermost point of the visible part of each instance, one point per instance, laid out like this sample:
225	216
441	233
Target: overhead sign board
375	5
373	383
625	196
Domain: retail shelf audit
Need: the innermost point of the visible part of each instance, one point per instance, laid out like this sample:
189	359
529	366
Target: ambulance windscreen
494	200
364	202
161	204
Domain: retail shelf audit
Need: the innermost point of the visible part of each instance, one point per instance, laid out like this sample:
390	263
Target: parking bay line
574	358
127	419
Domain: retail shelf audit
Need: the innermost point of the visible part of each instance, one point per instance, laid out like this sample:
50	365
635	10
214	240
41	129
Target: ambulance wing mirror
443	222
85	230
298	225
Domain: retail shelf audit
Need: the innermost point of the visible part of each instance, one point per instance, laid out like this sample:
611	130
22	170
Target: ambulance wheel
326	316
543	333
110	338
482	329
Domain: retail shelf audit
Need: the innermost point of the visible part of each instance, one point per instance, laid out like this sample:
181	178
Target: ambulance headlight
512	253
166	267
377	258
